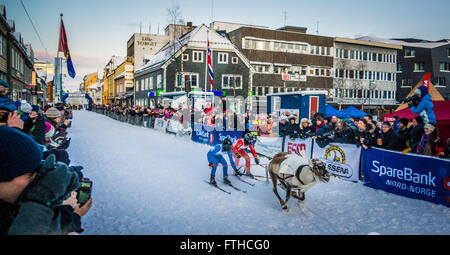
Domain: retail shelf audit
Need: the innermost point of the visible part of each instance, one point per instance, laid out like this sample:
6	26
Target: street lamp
370	92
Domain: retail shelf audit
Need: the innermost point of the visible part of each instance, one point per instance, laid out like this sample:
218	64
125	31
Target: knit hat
283	118
404	121
52	113
35	108
19	154
386	123
418	119
422	90
49	130
430	127
25	107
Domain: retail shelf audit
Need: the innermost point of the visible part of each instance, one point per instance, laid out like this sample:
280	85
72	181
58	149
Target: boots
212	180
226	181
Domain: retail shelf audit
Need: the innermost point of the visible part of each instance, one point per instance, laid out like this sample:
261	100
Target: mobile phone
84	193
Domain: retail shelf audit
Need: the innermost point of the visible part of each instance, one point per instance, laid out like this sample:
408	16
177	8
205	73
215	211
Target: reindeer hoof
284	207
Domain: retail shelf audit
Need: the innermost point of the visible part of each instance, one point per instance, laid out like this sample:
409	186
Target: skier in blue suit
216	157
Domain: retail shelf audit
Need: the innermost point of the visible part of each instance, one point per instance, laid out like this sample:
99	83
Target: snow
146	182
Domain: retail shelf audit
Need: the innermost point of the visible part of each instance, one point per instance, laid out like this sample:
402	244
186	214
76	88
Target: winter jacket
389	140
402	138
323	133
414	135
429	145
343	136
306	132
283	130
425	109
369	137
293	130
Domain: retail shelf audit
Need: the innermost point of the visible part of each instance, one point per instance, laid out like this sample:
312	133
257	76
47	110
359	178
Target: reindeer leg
275	183
288	193
301	196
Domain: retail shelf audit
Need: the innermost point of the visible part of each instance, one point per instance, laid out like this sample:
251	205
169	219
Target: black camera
412	100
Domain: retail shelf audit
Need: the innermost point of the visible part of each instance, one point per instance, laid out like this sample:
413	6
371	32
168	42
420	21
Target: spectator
306	129
402	134
35	125
293	129
395	126
342	133
425	106
322	132
388	140
334	121
447	149
415	133
365	135
283	129
428	141
32	196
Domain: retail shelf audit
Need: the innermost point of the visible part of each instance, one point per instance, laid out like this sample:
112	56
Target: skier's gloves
238	173
211	165
55	186
238	155
257	161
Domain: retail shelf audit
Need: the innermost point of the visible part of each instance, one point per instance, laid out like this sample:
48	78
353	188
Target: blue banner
210	136
409	175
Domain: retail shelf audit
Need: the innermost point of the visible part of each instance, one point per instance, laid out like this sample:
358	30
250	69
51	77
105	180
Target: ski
217	187
236	188
244	181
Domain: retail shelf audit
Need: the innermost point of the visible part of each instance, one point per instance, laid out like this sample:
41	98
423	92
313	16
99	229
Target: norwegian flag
210	68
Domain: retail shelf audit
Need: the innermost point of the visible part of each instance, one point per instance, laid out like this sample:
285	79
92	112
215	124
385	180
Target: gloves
238	173
257	161
211	165
238	155
54	184
77	169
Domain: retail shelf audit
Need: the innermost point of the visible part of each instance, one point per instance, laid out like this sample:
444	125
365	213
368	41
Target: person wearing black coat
323	132
283	126
306	129
293	129
389	139
342	133
415	133
402	133
365	135
35	126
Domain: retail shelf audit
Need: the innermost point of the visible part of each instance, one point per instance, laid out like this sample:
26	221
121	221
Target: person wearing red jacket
240	150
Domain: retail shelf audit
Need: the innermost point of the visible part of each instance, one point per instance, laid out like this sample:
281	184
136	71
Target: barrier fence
410	175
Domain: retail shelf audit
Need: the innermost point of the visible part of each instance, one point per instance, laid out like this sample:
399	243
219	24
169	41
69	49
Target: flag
63	47
210	68
426	80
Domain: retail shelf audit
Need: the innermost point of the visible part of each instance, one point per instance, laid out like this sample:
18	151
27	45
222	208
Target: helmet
226	144
249	138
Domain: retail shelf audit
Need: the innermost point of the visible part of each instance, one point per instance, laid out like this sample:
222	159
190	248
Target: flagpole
61	73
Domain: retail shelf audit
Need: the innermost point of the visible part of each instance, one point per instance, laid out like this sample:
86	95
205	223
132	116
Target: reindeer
296	173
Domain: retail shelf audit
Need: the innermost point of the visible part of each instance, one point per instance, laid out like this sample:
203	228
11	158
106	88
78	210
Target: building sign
129	76
129	68
129	84
146	41
294	77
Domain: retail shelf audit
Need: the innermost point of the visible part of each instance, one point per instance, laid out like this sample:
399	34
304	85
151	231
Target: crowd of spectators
38	185
418	137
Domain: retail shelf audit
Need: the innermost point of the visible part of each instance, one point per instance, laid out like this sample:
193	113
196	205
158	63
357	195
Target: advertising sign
269	146
298	145
341	159
409	175
129	68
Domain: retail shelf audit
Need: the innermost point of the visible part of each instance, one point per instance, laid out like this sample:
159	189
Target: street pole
370	92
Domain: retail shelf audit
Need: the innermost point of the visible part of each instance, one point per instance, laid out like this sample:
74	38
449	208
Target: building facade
418	57
364	75
182	66
141	45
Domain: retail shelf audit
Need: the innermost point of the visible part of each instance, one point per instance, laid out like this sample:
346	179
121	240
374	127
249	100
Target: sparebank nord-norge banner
414	176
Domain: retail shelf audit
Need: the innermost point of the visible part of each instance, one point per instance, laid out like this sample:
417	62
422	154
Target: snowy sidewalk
146	182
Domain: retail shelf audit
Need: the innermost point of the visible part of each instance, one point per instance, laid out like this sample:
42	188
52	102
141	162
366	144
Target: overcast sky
99	29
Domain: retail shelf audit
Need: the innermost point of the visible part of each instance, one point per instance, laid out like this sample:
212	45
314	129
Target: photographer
34	195
421	103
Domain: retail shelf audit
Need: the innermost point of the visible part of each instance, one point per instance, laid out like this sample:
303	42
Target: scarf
425	138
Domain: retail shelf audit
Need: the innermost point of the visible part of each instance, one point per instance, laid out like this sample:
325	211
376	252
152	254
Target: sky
99	29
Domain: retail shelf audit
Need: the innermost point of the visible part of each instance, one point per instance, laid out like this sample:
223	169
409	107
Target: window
2	46
197	56
380	57
410	53
138	83
191	80
277	46
439	81
159	81
351	74
231	81
317	50
185	57
345	53
444	67
374	57
223	58
323	51
352	54
419	66
399	68
267	45
406	82
313	49
234	60
448	52
151	83
146	83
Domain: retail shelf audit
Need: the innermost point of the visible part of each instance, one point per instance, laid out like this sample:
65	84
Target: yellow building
114	68
90	80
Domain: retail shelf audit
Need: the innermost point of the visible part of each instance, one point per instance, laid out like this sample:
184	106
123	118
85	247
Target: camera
411	100
84	192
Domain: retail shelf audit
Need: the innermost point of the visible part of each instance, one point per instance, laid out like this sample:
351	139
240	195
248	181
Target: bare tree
175	19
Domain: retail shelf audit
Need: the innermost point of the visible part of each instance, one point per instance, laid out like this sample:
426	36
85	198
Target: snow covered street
145	182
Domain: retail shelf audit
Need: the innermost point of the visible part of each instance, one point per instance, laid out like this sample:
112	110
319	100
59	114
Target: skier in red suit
240	150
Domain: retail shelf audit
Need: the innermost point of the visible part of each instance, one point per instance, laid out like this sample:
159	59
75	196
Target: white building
365	73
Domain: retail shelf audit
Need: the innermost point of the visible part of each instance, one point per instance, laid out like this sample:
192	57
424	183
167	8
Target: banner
297	145
341	159
269	146
409	175
175	127
206	136
160	125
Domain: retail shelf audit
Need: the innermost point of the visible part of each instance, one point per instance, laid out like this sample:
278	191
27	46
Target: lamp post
370	91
